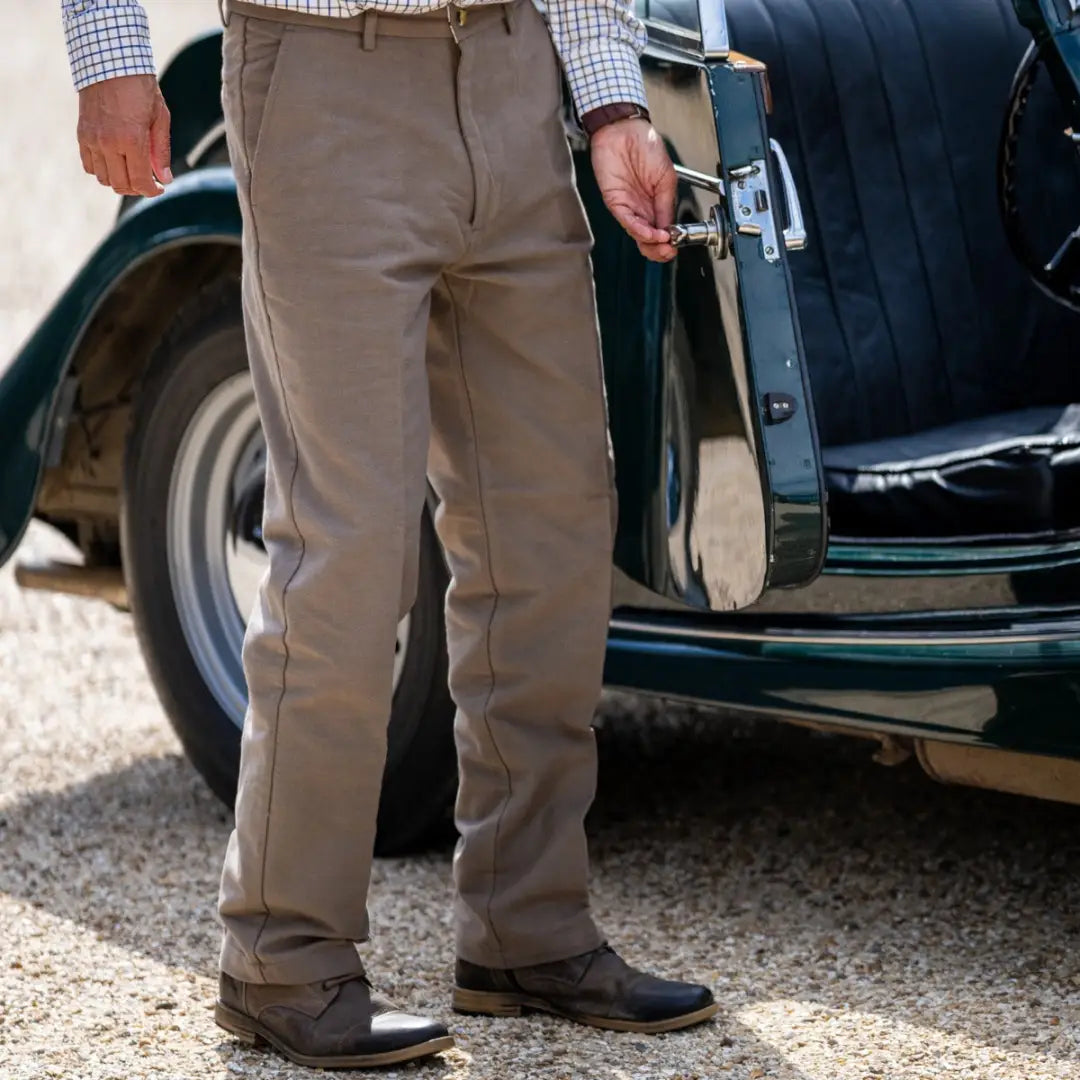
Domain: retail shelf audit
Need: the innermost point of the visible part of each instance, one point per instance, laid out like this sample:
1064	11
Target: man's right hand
124	134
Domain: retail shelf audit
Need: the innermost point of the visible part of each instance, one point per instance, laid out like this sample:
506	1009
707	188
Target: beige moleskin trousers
419	304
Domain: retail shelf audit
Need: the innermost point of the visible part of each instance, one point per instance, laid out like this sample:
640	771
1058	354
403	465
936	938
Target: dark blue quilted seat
941	376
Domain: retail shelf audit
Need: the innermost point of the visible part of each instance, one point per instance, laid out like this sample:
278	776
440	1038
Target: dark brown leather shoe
334	1024
597	988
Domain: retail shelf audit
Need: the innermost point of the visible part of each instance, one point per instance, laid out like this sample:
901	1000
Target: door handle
795	233
700	179
710	233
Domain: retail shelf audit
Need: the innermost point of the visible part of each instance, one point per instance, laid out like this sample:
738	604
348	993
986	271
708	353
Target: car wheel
193	557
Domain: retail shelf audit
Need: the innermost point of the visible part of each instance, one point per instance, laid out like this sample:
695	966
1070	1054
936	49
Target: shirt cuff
108	42
604	72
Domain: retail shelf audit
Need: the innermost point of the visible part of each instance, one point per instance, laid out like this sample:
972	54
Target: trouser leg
339	257
520	461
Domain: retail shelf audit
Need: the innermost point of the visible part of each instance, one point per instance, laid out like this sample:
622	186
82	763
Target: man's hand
638	183
124	134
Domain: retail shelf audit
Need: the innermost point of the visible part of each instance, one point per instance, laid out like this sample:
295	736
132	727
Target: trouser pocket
253	54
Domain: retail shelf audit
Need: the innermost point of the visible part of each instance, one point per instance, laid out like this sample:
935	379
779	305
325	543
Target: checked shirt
598	41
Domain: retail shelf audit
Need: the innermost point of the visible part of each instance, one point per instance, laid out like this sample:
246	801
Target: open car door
718	467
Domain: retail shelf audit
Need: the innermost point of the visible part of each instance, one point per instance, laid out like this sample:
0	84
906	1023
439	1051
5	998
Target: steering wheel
1060	277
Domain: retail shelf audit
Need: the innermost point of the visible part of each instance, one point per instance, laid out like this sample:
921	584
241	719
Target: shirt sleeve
106	39
600	43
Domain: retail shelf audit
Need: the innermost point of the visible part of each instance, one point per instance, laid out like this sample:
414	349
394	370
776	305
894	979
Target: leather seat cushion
1016	473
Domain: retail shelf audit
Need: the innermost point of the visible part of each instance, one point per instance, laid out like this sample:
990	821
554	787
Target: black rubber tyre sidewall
203	348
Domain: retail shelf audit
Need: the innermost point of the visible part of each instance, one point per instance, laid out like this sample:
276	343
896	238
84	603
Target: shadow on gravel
133	855
785	861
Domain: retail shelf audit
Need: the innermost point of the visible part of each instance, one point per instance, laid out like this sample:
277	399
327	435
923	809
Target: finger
664	199
657	252
161	145
637	226
100	169
87	159
119	180
141	172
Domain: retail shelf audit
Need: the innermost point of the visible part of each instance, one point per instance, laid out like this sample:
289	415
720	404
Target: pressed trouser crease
456	339
263	308
365	224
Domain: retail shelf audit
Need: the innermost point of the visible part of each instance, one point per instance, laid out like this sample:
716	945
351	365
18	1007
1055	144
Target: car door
718	468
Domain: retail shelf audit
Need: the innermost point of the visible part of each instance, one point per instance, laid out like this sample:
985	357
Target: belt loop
223	11
368	40
507	15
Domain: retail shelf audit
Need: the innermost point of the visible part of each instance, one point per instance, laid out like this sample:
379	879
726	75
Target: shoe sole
495	1003
250	1031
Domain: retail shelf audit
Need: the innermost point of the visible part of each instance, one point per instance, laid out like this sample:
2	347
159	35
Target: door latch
754	213
752	209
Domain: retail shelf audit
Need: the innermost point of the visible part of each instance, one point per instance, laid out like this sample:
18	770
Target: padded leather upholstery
1000	475
915	316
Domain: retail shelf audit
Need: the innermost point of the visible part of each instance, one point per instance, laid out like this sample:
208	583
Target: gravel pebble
856	923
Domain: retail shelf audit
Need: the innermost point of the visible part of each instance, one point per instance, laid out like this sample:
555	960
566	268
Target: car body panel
191	86
1009	690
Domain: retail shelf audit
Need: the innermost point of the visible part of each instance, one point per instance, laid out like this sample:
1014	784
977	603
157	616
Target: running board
91	582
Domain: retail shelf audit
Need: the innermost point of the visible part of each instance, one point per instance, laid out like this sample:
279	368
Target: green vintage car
846	418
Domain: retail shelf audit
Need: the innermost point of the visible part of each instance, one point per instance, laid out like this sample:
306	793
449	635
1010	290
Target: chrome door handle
795	233
710	233
700	179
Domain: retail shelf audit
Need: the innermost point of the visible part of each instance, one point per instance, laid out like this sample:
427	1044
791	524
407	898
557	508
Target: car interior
946	385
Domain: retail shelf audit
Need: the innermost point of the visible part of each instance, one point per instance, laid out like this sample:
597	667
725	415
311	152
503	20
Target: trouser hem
535	952
318	961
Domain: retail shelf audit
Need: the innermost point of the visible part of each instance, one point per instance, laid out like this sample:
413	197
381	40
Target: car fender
197	208
191	86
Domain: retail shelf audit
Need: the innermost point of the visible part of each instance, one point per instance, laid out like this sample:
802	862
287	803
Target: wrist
604	115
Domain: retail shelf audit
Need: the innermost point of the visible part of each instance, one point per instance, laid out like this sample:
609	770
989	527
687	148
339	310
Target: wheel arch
80	492
65	399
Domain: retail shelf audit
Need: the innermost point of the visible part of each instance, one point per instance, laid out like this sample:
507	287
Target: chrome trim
672	34
704	180
795	637
712	18
711	233
214	135
795	233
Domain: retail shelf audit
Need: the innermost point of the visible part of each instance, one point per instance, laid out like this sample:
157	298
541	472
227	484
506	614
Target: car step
95	582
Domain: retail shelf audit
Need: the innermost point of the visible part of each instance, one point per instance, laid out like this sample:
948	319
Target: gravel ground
855	922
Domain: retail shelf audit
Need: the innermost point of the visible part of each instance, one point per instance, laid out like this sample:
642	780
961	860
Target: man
419	307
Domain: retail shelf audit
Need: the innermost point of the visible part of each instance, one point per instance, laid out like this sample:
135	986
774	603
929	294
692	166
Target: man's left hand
638	183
